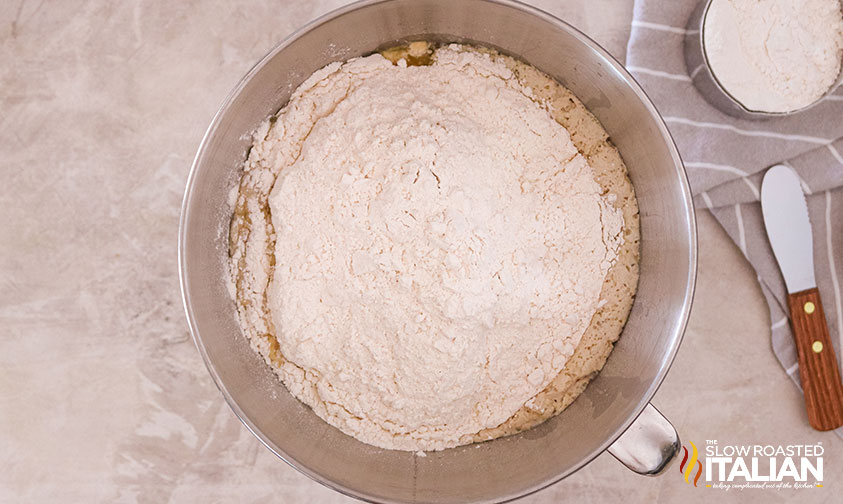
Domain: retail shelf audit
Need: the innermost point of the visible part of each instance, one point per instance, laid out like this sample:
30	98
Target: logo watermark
732	466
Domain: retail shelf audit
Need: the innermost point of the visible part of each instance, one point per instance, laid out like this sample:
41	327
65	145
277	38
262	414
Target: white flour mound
439	243
775	55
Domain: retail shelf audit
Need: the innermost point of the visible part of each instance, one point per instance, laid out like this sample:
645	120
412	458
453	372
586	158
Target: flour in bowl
418	250
775	55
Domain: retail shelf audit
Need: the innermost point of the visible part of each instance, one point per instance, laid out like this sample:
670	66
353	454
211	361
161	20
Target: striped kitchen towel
726	157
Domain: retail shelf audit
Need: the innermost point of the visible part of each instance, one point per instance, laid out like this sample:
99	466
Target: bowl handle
648	445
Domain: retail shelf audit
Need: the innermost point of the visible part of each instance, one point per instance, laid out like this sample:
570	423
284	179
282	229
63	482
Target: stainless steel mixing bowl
504	468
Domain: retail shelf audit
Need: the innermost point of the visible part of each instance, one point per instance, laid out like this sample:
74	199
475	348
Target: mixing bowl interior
500	469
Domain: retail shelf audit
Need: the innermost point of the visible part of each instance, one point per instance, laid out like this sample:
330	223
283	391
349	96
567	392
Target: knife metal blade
788	227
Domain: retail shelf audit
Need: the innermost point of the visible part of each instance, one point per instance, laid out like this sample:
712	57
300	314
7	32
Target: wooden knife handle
817	361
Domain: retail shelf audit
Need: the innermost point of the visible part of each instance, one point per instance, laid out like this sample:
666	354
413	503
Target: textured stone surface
103	396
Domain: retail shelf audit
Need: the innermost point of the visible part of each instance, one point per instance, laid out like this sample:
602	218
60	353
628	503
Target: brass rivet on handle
817	347
809	307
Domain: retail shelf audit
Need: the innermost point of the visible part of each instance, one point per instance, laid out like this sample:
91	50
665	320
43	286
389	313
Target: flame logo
690	464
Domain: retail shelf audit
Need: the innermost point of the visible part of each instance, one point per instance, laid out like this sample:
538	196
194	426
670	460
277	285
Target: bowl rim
689	215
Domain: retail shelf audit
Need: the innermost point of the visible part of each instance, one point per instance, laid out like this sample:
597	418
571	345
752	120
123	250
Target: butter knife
789	230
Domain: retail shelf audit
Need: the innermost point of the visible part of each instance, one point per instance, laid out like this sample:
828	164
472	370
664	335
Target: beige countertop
103	397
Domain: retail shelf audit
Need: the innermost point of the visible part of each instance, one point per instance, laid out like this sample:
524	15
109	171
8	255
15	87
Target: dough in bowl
433	246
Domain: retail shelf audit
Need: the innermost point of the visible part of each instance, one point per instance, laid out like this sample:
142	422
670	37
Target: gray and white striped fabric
726	157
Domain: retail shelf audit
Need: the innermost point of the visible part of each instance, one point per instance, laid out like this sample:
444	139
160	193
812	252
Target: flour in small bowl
775	55
418	250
